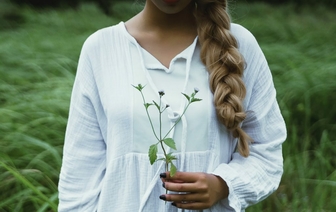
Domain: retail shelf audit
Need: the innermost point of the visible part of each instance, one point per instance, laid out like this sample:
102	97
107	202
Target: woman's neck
156	31
153	19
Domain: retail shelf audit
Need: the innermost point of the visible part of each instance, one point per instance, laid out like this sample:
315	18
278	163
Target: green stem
150	121
160	119
161	141
178	120
164	153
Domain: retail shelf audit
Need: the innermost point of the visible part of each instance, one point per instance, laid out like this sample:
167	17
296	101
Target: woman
229	152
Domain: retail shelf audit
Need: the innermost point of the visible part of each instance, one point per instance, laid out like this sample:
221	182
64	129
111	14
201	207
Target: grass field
38	58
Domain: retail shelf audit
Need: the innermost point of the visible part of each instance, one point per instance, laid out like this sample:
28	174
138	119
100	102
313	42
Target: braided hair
225	64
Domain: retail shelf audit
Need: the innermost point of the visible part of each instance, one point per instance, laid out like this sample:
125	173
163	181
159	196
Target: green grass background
38	58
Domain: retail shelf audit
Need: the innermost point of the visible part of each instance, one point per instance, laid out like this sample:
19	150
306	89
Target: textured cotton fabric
105	163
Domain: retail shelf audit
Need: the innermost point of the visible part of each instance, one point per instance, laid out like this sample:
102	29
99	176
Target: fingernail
174	204
163	175
163	197
163	185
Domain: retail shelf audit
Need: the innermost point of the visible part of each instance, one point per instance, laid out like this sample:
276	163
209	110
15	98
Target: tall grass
38	62
301	51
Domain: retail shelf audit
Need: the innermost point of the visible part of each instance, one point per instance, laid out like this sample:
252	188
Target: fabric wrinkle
173	116
130	183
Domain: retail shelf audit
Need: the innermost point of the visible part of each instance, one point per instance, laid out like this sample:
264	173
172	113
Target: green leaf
157	106
161	159
147	105
172	170
186	96
152	153
169	154
139	87
170	142
170	157
195	100
136	87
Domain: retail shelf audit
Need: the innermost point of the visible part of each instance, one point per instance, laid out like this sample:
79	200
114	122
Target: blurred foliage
39	50
10	16
104	5
298	3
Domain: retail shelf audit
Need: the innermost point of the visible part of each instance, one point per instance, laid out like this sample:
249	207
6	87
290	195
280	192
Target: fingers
187	201
184	187
185	182
181	198
191	205
193	190
181	176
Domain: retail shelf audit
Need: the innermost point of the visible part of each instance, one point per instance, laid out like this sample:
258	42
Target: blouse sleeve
83	165
252	179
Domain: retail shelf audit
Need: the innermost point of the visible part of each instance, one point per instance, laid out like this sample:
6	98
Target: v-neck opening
152	63
181	54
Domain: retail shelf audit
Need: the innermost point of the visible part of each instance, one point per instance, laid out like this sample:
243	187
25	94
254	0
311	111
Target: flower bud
161	92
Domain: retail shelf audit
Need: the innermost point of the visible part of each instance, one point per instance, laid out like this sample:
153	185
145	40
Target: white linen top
105	162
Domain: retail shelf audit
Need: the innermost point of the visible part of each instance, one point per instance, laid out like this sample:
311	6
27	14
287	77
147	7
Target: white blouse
105	163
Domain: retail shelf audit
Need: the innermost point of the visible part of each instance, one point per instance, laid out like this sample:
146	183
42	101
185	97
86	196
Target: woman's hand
197	190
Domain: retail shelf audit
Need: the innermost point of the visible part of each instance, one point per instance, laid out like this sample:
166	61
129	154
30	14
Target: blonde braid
225	64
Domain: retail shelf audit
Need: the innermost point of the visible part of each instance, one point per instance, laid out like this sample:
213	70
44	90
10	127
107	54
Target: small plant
162	139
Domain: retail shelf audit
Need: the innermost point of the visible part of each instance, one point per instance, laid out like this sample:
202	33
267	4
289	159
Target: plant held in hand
162	139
